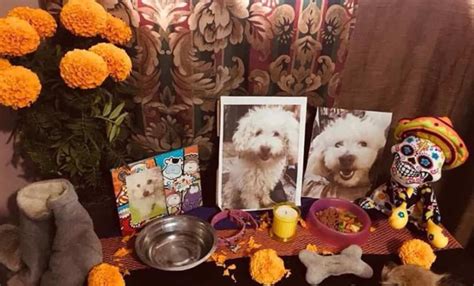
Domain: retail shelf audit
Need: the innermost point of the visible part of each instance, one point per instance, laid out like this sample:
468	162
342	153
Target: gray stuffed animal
55	241
320	267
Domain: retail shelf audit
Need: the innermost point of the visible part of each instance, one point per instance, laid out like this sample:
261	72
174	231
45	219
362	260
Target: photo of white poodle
146	194
344	148
261	151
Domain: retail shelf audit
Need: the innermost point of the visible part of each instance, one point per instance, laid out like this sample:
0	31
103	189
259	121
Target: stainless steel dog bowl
176	243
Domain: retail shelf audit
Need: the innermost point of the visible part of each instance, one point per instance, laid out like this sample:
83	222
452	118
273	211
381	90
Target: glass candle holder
285	221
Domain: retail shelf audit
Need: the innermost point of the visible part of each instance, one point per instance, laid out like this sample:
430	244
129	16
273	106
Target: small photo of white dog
344	148
146	194
261	154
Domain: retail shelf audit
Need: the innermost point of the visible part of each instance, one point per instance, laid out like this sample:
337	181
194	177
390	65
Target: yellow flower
19	87
266	267
42	21
4	63
118	62
85	18
417	252
116	31
105	275
17	37
83	69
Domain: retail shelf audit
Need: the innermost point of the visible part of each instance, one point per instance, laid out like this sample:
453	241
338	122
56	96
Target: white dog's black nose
265	150
346	160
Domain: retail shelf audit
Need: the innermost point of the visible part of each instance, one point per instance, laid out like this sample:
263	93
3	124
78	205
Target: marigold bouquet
67	79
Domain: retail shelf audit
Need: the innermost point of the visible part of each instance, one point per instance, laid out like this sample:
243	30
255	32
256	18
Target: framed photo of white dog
345	146
261	151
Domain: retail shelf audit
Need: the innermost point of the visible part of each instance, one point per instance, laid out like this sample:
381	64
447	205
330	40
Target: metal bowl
176	243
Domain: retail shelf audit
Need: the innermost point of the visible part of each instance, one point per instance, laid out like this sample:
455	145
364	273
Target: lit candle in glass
285	220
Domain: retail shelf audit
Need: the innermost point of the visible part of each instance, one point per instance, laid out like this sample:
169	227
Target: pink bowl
333	237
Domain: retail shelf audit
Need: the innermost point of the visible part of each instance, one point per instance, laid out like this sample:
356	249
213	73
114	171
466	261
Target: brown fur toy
412	275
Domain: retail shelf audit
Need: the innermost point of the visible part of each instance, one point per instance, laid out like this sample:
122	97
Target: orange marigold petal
122	252
312	247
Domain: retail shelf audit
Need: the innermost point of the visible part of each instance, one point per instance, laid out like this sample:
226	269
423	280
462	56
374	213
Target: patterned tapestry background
189	53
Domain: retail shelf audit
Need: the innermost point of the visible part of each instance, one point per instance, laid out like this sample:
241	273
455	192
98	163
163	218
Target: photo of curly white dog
146	195
261	151
344	147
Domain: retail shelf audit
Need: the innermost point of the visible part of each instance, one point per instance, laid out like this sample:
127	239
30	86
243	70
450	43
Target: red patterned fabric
384	240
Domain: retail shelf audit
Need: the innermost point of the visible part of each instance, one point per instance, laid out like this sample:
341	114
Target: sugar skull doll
427	146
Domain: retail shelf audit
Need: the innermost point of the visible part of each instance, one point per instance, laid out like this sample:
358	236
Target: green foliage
76	134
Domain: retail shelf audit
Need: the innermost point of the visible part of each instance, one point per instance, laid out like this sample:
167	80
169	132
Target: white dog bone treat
321	267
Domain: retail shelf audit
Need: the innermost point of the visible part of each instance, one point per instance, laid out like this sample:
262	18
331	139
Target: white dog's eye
363	143
259	132
149	182
338	144
138	185
276	133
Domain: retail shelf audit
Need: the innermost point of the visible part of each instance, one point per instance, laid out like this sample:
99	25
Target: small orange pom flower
417	252
17	37
105	275
42	21
266	267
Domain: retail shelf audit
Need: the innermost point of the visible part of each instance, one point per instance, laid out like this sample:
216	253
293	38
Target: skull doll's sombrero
438	130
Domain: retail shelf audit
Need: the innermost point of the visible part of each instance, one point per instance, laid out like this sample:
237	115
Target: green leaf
113	133
117	111
120	119
107	109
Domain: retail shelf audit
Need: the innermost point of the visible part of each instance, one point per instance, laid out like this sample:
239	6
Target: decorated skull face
416	161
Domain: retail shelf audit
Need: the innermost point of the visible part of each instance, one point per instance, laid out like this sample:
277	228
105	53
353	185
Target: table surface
456	262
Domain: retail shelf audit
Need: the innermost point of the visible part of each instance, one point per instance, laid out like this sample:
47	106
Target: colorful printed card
167	184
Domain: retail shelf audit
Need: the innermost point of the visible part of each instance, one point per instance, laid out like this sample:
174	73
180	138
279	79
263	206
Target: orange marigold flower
19	87
105	274
118	61
83	69
42	21
17	37
116	31
417	252
85	18
266	267
4	63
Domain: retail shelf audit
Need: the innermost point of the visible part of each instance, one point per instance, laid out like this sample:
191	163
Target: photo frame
345	147
165	184
261	151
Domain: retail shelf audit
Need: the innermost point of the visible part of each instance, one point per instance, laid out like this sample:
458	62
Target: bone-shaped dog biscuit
321	267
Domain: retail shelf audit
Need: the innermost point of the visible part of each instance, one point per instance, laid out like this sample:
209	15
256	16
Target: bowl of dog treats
339	223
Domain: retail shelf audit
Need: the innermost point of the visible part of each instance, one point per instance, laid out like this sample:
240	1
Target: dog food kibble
339	219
